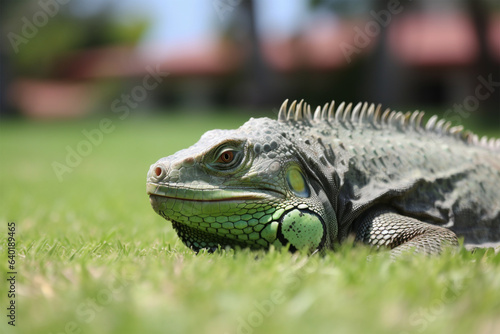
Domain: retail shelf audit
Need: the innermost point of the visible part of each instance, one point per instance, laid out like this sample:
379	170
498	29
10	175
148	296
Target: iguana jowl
310	180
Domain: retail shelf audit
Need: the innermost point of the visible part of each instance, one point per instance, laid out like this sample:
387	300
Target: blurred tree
345	8
243	29
386	79
37	36
485	63
257	68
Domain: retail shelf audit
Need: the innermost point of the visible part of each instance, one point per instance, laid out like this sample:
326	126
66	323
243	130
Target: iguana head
247	187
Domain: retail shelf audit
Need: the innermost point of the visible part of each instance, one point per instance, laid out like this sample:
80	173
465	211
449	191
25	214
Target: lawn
93	257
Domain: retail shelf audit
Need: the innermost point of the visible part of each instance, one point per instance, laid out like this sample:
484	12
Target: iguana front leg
384	227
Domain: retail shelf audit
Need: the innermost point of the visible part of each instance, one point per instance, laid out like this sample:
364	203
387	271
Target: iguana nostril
159	172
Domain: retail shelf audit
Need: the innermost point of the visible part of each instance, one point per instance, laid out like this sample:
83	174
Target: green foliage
127	34
40	56
45	37
92	254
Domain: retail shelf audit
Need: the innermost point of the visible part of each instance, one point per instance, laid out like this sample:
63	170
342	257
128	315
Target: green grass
93	257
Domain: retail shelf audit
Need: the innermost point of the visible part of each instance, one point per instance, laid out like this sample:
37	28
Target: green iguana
312	179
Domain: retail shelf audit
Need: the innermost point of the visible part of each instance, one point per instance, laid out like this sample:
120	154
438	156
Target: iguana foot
384	227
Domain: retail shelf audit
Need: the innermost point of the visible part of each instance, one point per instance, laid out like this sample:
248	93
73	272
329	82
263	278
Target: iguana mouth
174	191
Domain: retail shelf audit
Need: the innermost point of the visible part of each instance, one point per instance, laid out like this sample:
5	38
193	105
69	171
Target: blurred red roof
415	39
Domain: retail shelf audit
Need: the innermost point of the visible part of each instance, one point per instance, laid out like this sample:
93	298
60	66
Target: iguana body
311	180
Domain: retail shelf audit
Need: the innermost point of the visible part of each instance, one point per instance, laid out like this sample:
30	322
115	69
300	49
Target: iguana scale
309	180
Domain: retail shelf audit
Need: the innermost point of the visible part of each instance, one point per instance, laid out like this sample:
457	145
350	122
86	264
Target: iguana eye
225	157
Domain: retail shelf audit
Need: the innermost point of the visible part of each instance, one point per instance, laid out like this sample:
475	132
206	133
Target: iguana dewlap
310	180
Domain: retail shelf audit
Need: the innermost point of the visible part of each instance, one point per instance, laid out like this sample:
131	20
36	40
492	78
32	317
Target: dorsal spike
325	108
397	118
418	122
307	112
317	113
405	120
282	112
340	111
385	116
371	112
298	115
298	111
413	119
431	123
446	127
355	112
339	114
456	130
299	106
400	115
331	111
377	114
392	115
324	111
439	126
399	121
362	113
291	111
345	114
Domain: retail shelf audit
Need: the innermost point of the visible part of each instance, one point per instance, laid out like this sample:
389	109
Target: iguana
309	180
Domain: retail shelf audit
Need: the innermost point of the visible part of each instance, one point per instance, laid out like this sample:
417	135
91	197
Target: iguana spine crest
371	113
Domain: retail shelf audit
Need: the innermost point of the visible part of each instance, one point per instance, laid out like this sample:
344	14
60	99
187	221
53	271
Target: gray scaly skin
311	180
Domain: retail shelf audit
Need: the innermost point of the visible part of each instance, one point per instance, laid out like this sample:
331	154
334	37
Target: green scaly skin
309	181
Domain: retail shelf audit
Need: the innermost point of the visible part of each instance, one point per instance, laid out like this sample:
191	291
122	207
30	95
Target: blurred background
70	59
92	92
